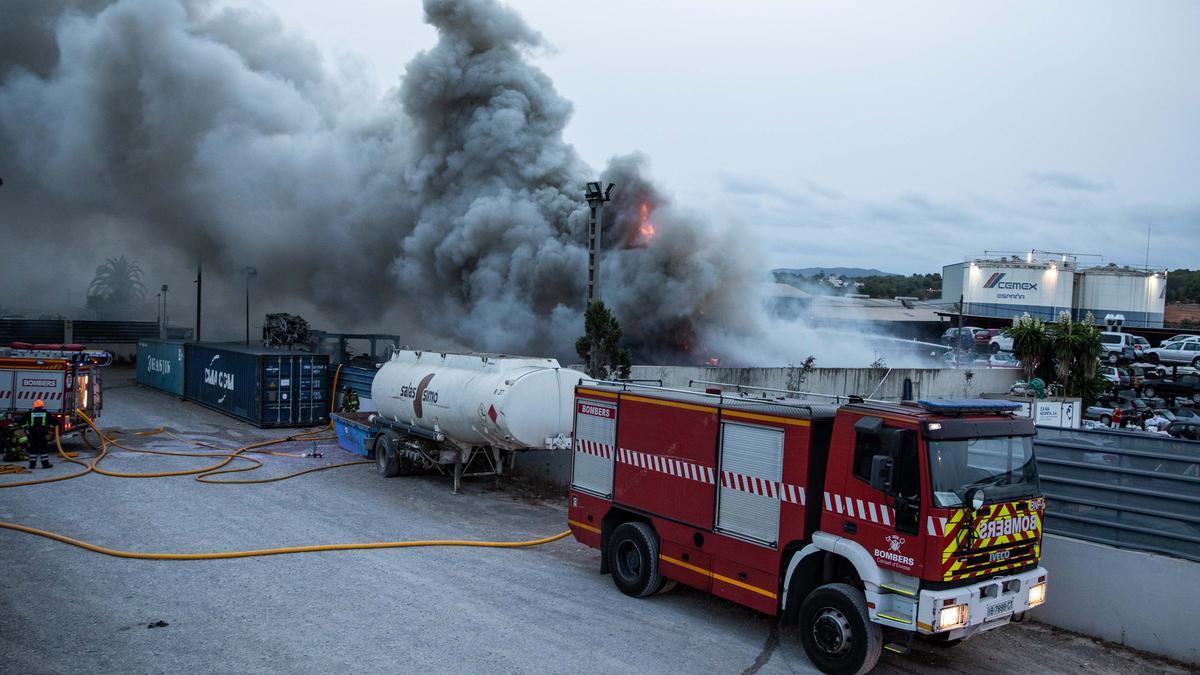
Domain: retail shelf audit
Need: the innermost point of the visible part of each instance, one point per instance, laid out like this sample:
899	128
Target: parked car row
1127	410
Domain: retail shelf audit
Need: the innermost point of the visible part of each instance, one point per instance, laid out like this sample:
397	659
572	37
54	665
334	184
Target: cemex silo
1010	286
1137	294
1044	285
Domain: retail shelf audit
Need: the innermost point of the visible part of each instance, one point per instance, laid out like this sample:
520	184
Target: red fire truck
920	518
66	378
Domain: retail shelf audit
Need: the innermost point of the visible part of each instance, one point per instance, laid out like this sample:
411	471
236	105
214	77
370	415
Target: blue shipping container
160	365
266	387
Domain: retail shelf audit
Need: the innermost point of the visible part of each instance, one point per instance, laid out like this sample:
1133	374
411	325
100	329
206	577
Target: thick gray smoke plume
450	209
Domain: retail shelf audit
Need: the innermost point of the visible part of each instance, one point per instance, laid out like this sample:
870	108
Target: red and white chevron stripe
596	448
793	494
857	508
5	394
667	465
44	395
935	526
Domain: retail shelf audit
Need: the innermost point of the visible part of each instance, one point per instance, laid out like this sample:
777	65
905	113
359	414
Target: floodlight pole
595	199
249	272
199	295
163	332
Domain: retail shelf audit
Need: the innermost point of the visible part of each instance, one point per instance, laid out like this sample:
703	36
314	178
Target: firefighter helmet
38	404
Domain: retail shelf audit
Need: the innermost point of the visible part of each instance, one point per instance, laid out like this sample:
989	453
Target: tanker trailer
459	412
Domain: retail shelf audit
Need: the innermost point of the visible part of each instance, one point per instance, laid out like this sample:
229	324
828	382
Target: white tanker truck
467	411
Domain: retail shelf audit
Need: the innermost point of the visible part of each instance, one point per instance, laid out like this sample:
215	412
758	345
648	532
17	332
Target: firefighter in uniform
349	400
40	429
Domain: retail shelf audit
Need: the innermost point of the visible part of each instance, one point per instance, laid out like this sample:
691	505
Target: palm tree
1029	342
117	285
1066	341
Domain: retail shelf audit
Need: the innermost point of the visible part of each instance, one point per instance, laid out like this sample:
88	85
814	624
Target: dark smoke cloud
450	209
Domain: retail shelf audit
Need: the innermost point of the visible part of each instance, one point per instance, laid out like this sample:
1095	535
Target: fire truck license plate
1000	609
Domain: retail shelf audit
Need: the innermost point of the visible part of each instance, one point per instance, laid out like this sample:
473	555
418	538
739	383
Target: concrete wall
927	383
1142	600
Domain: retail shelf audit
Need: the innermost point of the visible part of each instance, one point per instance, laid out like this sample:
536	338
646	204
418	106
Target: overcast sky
902	136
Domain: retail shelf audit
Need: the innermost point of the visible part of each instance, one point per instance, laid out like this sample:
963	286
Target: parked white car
1187	353
1118	347
1179	338
1001	343
1140	346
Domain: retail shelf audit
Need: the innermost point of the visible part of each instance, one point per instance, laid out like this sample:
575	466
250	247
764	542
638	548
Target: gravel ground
458	610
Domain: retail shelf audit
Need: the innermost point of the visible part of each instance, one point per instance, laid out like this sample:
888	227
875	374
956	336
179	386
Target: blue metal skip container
354	432
265	387
160	364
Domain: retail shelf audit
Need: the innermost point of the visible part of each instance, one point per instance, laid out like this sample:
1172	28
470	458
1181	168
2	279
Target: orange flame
646	229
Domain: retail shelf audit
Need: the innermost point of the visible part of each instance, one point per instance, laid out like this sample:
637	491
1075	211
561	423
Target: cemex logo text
997	281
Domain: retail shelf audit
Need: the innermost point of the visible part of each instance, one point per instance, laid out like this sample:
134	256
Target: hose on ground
202	474
226	555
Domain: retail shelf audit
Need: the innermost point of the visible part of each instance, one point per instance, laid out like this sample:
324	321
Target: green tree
1183	286
1029	343
600	347
1066	353
117	285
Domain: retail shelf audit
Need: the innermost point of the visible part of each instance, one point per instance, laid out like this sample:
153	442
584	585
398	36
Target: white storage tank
1008	287
1139	295
506	402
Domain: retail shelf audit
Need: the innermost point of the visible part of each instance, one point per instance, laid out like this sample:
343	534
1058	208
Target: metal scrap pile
285	330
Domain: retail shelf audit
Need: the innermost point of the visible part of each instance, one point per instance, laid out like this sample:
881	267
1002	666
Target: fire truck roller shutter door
595	446
751	468
7	401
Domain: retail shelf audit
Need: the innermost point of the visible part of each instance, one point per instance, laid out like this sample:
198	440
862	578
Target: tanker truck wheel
633	559
387	462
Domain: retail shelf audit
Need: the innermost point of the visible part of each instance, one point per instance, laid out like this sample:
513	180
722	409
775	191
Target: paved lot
440	610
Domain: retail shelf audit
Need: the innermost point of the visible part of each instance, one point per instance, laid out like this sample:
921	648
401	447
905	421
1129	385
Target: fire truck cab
921	519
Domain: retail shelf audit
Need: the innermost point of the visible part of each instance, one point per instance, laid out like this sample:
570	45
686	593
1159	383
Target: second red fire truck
921	519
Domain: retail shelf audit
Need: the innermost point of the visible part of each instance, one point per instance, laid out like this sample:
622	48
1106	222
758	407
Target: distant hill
847	272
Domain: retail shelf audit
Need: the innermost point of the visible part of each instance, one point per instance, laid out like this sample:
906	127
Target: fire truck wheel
633	559
837	631
387	462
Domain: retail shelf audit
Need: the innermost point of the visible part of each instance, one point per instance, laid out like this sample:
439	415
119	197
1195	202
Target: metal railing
1124	489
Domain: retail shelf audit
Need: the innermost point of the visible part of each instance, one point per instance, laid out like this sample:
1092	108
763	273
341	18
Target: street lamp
248	272
595	199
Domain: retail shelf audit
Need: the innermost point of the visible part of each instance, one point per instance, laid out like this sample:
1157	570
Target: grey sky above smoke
185	131
963	104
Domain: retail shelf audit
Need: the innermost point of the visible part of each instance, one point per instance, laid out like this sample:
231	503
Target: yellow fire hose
202	475
225	555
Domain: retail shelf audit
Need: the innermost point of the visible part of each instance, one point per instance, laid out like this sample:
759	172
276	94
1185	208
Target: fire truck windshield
1002	465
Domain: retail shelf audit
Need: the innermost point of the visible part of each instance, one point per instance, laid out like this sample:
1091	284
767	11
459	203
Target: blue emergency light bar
969	405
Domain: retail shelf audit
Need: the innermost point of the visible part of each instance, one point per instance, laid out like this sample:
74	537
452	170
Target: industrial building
1044	285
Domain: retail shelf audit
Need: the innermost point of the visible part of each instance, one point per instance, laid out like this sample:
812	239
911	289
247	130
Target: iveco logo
997	281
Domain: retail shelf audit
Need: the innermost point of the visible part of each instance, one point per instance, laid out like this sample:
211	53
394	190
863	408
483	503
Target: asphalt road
458	610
